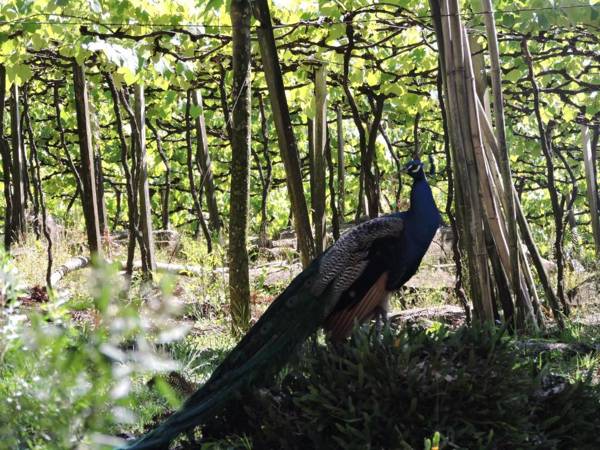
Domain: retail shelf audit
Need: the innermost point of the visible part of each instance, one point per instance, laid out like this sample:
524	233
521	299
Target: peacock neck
422	204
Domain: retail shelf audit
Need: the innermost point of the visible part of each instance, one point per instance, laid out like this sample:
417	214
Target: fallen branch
73	264
81	262
576	348
449	314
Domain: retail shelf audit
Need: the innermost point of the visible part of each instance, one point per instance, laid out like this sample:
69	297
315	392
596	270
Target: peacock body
347	284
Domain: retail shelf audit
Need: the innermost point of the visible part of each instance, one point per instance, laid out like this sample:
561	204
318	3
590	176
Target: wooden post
341	170
592	187
90	203
203	160
319	158
285	135
147	250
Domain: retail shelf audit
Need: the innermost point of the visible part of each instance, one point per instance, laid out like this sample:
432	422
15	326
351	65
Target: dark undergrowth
396	390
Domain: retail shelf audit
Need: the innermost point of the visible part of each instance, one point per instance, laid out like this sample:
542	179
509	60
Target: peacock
349	283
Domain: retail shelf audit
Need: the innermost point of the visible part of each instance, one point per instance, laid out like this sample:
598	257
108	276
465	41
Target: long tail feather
288	322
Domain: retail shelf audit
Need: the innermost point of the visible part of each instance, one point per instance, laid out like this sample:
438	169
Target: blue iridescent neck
422	203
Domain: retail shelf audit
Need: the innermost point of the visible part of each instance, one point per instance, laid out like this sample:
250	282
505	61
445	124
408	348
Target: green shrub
64	385
397	390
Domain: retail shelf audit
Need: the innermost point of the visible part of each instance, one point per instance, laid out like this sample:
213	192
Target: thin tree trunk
568	199
190	170
129	182
371	183
147	250
341	169
26	176
203	159
594	149
90	202
18	170
335	215
239	277
266	175
224	104
319	159
416	154
397	164
63	142
118	208
26	123
166	192
102	213
362	138
552	188
287	141
39	192
135	238
6	164
310	150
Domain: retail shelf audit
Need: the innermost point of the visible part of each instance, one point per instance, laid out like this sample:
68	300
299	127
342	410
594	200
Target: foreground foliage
397	390
66	383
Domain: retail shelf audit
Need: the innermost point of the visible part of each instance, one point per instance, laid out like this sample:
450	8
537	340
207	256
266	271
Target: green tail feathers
295	315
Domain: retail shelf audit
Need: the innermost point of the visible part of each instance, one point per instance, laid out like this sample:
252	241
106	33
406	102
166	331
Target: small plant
433	443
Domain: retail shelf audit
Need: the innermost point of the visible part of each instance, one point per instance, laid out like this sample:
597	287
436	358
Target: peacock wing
339	324
367	255
346	260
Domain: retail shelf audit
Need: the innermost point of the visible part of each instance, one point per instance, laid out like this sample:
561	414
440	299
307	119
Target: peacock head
415	169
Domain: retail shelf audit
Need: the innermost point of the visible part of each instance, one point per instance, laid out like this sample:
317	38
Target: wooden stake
592	187
319	158
504	160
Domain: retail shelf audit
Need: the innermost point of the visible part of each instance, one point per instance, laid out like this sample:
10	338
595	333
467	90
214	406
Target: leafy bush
397	390
63	385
